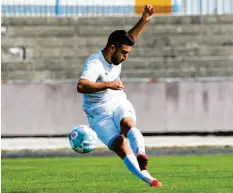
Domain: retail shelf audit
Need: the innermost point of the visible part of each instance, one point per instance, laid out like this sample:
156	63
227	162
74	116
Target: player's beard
115	60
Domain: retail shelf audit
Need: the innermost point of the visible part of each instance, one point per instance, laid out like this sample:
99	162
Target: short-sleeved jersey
97	69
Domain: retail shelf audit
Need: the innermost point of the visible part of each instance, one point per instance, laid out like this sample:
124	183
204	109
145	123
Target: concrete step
43	65
207	19
177	51
146	73
41	75
139	73
155	68
100	41
179	62
17	75
132	63
54	64
184	40
17	66
192	41
161	29
156	29
55	21
41	21
54	41
81	53
173	72
137	63
71	73
40	31
28	76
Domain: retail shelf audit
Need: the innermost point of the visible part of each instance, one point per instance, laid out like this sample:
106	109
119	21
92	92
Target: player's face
120	54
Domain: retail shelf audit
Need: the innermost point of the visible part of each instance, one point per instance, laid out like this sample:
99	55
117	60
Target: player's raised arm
142	23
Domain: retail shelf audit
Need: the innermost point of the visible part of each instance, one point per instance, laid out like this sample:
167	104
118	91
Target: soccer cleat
143	161
155	183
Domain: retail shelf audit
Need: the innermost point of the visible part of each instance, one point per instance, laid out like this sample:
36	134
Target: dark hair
120	37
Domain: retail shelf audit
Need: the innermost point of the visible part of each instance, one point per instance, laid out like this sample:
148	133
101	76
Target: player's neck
107	56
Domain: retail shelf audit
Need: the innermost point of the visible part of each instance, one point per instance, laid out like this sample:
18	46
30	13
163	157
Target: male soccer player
108	111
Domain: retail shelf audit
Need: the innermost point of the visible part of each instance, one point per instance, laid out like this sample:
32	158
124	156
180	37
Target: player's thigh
106	130
124	110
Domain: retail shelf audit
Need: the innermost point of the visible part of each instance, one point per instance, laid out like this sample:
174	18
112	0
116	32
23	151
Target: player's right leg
110	135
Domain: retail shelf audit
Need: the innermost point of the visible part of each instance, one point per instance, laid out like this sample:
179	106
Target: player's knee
120	146
126	124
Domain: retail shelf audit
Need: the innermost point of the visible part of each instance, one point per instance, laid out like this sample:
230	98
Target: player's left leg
129	129
110	135
125	120
120	146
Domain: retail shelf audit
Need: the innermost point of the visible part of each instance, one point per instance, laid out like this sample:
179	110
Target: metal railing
108	7
197	7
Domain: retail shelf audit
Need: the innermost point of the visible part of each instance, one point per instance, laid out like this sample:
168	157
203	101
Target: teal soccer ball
83	139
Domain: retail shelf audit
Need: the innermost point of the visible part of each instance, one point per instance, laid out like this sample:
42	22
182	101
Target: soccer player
108	111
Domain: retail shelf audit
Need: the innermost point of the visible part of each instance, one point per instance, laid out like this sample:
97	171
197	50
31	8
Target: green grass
190	174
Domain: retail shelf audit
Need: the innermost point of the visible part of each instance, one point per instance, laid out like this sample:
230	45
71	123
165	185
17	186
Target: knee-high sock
136	141
131	163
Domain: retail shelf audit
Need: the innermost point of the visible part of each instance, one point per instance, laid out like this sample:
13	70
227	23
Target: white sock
132	164
136	141
146	173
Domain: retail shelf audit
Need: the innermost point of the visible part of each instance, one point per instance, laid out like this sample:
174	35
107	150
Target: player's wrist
145	20
107	85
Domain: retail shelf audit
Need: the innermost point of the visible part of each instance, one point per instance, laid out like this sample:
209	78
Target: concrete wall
35	109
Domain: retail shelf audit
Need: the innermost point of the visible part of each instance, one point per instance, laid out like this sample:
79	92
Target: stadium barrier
163	107
117	7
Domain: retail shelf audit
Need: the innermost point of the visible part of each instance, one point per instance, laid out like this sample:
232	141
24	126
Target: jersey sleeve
90	71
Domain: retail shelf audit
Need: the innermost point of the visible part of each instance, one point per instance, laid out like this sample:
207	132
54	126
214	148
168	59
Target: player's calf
128	128
121	147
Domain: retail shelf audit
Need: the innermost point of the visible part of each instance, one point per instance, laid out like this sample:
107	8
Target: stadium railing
113	7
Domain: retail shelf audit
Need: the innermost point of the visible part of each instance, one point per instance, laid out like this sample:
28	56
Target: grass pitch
190	174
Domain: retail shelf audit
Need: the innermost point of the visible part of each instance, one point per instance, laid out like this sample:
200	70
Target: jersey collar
106	64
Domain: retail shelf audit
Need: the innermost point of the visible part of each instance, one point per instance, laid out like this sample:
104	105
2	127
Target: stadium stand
42	48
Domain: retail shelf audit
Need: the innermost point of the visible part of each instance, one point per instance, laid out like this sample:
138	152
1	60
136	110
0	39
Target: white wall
164	107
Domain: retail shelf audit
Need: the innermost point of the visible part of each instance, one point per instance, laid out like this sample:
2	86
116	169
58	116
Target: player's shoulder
94	59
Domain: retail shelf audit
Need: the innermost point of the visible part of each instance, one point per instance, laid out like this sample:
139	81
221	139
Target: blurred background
179	75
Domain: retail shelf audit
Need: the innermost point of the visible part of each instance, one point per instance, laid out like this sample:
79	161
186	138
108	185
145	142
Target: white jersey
97	69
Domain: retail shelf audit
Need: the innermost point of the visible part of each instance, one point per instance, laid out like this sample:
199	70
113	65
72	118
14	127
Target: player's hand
148	12
116	85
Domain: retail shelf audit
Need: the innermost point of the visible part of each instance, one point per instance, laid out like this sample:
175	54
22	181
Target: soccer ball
82	139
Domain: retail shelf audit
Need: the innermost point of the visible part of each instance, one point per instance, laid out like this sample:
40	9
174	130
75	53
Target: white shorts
107	125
